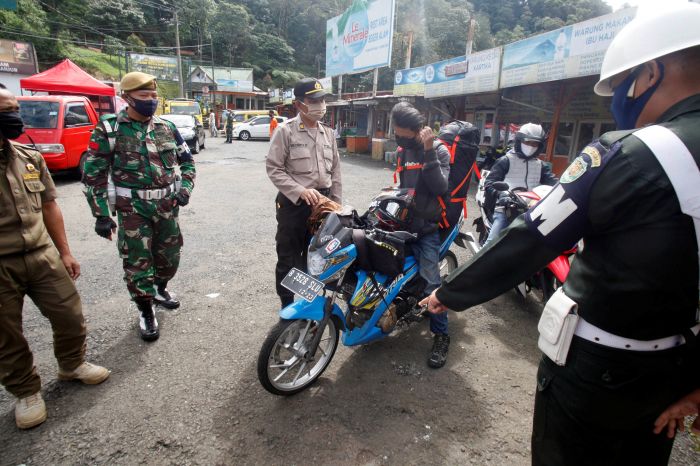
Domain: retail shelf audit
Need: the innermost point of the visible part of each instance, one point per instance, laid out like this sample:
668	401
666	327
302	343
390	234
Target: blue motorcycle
361	281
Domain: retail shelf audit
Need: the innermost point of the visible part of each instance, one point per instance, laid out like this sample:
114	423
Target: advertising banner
360	39
234	79
569	52
475	73
17	58
162	67
410	81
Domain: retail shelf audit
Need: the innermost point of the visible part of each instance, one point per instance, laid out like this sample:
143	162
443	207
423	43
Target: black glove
503	199
182	199
104	226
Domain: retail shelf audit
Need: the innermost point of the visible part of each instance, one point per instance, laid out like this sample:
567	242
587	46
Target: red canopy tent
66	77
69	78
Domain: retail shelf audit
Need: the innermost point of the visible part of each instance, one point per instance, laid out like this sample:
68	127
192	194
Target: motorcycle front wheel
282	367
448	264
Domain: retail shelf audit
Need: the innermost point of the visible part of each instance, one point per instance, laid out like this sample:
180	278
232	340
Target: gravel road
193	396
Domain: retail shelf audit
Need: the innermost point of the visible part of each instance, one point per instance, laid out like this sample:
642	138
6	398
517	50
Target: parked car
255	128
191	130
244	116
60	126
183	107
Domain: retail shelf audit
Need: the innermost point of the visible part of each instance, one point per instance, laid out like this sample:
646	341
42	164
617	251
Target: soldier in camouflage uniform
139	151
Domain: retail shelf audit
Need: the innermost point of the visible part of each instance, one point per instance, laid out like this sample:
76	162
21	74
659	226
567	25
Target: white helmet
530	132
647	37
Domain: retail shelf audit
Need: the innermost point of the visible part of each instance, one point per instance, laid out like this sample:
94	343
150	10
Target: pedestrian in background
303	164
229	127
30	220
212	124
139	152
273	123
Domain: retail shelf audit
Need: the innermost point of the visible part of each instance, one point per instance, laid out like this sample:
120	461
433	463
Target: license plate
302	284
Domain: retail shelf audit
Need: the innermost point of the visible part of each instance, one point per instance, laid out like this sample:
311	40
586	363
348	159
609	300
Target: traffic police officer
139	151
30	220
303	164
631	373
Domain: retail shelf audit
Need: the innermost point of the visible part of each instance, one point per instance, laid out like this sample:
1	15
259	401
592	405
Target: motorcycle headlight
316	263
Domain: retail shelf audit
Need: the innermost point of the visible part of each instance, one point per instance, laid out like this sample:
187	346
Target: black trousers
292	240
600	408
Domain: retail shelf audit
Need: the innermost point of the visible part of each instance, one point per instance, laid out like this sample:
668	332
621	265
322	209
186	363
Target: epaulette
611	137
33	151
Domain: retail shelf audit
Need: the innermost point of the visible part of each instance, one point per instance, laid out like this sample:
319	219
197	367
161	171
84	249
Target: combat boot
30	411
148	325
164	298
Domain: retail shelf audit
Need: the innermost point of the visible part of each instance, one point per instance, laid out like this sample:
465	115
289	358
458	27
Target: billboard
360	39
410	81
17	58
162	67
477	72
234	79
569	52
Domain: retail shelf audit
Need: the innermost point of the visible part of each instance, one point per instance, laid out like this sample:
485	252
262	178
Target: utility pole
179	58
211	93
375	80
470	36
409	49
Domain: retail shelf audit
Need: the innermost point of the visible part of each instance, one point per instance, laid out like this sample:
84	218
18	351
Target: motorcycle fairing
310	310
560	267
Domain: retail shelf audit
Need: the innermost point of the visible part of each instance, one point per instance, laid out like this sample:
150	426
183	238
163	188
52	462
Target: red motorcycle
547	280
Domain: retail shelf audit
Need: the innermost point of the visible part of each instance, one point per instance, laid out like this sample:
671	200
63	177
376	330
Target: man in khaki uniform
31	265
303	164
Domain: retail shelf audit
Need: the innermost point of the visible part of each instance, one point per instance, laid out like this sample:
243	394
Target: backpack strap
680	167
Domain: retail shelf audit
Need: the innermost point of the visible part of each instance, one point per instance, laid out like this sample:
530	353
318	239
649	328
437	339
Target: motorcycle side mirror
500	186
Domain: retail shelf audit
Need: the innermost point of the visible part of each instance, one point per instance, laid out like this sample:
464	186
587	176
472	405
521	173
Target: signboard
275	95
327	84
234	79
360	39
8	5
288	96
17	58
162	67
569	52
472	74
410	81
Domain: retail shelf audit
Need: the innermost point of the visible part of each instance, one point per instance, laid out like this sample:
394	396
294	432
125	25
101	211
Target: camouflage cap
137	80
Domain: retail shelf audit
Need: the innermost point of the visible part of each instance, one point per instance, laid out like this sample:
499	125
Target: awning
66	77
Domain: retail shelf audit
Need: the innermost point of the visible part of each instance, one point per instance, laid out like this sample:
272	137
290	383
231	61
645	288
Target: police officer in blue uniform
632	370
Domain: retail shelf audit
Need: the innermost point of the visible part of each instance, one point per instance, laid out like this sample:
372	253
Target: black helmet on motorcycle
529	132
392	209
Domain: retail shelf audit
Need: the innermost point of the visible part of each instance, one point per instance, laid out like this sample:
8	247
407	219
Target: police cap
309	87
137	80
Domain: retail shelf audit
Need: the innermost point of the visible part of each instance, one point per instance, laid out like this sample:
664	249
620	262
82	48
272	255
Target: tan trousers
41	275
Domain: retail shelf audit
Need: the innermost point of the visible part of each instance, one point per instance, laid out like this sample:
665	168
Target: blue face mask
144	107
626	110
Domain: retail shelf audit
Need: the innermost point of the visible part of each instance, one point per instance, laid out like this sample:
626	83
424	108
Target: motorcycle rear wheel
282	369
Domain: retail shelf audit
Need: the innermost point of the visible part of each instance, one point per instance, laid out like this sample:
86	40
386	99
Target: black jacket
637	275
430	181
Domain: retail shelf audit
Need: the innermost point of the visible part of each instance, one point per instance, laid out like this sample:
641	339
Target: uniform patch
575	170
30	167
593	153
94	145
31	176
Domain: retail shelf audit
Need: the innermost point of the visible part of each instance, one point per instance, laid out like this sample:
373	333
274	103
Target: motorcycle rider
631	373
520	168
426	169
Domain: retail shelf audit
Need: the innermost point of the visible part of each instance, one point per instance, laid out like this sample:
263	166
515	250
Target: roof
66	77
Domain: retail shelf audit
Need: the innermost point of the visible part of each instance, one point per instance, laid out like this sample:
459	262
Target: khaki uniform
299	160
30	265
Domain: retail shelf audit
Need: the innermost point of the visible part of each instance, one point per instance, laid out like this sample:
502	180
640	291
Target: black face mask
11	125
406	143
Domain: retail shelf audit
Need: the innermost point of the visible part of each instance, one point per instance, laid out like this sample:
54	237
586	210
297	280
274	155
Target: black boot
163	298
148	325
438	356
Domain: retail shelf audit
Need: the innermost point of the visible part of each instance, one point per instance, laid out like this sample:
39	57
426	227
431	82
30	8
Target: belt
590	332
147	194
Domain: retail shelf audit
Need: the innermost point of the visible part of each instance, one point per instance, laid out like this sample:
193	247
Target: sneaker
438	355
165	299
148	324
87	373
30	411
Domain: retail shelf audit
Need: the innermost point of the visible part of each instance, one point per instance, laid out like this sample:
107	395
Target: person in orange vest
273	123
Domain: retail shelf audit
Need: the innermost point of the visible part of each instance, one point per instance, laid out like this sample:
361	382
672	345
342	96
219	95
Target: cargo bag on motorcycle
462	140
379	251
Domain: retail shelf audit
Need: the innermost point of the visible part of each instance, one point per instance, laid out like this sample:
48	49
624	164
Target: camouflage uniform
140	156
